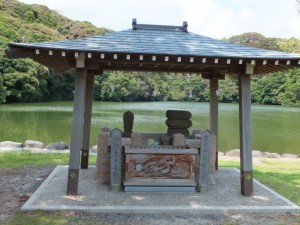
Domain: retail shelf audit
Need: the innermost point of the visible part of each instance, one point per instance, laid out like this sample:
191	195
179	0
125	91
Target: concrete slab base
158	189
222	198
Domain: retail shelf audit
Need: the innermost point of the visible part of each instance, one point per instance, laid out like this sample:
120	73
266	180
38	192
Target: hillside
20	22
23	80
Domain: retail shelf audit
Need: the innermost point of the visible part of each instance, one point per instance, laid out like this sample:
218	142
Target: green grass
281	176
38	217
16	160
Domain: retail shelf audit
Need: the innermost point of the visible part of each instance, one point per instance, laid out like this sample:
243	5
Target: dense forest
23	80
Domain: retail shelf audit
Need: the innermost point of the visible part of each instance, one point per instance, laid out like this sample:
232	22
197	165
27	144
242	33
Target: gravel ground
16	186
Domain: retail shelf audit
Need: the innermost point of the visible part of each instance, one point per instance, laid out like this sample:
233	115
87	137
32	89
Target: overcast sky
214	18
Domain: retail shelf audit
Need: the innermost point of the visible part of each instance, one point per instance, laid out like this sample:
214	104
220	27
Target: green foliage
2	91
120	86
25	81
257	40
29	16
289	45
228	90
281	88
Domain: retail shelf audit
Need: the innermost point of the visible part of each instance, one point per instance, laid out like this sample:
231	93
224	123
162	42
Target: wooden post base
73	176
84	158
247	183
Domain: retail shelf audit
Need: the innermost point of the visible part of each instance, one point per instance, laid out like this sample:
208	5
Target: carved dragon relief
167	166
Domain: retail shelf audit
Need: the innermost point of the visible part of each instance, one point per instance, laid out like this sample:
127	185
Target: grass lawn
15	160
283	176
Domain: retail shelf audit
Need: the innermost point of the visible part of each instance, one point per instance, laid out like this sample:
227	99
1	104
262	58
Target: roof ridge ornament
185	26
136	26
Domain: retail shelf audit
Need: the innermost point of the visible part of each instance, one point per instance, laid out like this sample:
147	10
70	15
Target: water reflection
275	128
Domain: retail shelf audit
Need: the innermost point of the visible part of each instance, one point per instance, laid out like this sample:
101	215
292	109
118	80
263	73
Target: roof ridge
136	26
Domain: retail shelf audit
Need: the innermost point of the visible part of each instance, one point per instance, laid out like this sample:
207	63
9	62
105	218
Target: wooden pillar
76	136
214	111
87	122
245	135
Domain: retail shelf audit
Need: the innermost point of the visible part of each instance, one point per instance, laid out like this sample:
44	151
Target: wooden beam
76	136
17	53
87	122
80	59
213	76
245	135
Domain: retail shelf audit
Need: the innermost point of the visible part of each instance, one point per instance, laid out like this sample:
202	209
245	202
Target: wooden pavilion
161	49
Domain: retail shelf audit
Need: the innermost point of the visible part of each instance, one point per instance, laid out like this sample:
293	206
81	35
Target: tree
2	91
120	87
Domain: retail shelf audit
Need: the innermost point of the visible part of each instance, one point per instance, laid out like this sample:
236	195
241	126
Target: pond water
275	128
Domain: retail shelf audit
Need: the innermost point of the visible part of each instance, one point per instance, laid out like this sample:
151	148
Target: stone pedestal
103	157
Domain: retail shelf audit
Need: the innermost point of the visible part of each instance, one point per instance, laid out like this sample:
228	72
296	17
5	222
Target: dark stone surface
57	146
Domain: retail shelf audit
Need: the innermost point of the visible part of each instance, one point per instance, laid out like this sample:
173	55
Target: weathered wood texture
87	122
245	135
214	112
77	126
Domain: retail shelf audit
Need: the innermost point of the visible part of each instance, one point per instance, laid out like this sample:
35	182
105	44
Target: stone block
57	146
102	144
205	154
116	160
233	153
10	144
178	114
126	141
178	124
271	155
193	143
105	129
221	153
34	144
128	118
103	158
136	139
185	132
197	136
167	140
178	139
289	156
103	177
257	154
196	131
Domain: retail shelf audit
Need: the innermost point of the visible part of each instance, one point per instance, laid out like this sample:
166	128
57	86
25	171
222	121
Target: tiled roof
165	40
